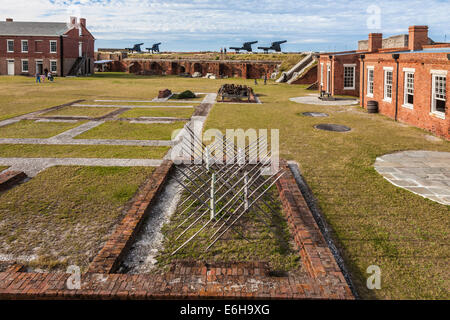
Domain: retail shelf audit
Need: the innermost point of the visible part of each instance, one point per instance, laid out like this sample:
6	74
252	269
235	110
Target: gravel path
425	173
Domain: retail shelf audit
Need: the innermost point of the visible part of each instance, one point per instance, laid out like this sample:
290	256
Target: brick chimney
83	22
375	41
9	20
418	36
73	21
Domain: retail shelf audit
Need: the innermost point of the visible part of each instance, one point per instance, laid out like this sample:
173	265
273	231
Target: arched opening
182	69
198	67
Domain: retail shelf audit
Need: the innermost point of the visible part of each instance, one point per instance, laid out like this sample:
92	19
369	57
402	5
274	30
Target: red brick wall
219	68
36	50
309	78
41	50
337	74
420	115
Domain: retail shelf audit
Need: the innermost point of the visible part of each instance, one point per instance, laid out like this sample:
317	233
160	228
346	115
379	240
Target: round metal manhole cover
332	127
315	114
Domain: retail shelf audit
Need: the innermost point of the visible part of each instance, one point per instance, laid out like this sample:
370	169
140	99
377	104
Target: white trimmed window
388	75
53	66
370	77
10	45
321	74
25	66
408	99
52	46
24	46
349	76
439	93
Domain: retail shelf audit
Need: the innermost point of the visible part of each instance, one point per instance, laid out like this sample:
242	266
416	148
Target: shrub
184	95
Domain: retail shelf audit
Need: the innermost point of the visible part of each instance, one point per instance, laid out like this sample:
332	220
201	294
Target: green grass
149	104
132	131
64	215
32	129
272	245
158	112
81	151
374	222
81	111
3	167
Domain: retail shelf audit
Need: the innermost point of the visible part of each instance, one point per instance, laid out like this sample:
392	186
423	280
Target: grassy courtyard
81	111
64	215
183	113
132	131
32	129
373	222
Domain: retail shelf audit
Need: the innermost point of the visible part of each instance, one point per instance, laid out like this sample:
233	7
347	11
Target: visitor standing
38	77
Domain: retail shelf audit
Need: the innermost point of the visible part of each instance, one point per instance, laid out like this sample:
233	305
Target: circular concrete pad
315	114
314	99
425	173
332	127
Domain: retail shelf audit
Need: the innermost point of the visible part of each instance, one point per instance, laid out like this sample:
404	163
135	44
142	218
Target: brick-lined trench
323	279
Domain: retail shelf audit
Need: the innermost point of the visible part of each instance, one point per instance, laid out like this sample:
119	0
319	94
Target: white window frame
369	69
7	45
321	74
21	45
385	96
28	64
353	66
53	71
407	72
434	74
56	46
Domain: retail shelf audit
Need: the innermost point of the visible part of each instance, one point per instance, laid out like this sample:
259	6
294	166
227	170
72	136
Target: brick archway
198	68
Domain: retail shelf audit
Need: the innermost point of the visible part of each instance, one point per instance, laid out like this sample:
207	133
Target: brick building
63	48
406	75
410	85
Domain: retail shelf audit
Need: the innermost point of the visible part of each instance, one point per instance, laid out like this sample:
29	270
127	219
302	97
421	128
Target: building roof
33	28
426	50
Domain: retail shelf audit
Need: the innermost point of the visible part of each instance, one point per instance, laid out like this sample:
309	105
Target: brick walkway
425	173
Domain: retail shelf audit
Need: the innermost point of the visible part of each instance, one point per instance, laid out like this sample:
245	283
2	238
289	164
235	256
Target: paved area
425	173
314	99
32	166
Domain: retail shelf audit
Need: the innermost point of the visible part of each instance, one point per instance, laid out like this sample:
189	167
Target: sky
208	25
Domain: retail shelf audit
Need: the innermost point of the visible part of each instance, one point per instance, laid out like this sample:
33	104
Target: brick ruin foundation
322	278
220	68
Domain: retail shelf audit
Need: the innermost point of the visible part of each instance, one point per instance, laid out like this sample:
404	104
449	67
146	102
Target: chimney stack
418	36
375	41
83	22
73	21
9	20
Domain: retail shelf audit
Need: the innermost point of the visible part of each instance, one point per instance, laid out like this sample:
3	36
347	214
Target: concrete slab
425	173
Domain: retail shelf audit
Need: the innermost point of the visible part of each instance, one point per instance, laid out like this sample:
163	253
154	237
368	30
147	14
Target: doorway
40	67
328	78
10	67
